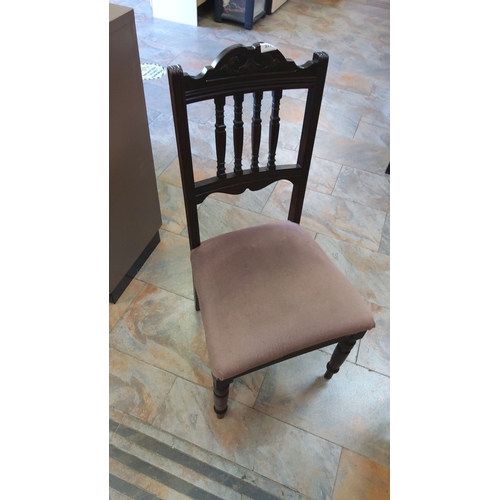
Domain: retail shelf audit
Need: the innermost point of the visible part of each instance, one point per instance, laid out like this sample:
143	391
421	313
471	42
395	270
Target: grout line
337	472
165	398
166	290
357	126
261	385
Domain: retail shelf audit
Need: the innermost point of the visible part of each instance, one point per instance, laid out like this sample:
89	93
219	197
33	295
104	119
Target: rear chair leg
338	357
221	394
196	302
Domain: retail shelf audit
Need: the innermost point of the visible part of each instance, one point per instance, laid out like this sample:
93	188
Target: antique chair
269	292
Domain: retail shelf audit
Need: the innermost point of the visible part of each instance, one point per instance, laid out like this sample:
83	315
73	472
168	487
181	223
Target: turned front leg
339	355
221	394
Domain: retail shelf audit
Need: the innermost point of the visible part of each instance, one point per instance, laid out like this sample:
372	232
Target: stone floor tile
116	495
116	417
323	175
220	468
168	266
156	52
368	271
349	81
126	298
254	201
351	152
385	242
165	471
373	132
129	476
152	115
217	217
115	414
374	349
173	215
136	485
359	478
203	168
337	120
163	155
291	110
164	330
136	387
307	463
351	409
162	139
158	100
202	139
201	112
331	216
366	188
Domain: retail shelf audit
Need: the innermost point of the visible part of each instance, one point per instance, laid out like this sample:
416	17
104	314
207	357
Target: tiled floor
288	433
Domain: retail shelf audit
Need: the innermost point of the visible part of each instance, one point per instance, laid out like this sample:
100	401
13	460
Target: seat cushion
268	291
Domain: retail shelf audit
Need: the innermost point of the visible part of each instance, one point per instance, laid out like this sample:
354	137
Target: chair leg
339	355
196	302
221	394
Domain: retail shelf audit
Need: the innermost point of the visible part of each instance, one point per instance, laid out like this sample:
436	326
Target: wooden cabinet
134	208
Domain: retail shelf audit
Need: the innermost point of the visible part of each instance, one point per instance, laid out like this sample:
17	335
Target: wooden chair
267	293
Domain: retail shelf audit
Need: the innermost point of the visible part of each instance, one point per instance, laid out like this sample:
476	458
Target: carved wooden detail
243	60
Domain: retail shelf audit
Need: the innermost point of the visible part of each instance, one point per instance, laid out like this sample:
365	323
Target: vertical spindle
274	128
256	130
238	132
220	136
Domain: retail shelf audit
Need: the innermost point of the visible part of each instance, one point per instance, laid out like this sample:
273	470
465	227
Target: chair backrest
240	70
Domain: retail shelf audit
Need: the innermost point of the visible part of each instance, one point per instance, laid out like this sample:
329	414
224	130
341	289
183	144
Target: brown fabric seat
269	291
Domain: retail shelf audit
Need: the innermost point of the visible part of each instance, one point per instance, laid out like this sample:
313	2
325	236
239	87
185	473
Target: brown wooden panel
134	210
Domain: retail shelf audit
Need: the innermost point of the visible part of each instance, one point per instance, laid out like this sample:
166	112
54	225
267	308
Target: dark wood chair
266	293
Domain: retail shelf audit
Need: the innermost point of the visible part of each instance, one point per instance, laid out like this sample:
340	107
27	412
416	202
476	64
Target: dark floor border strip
130	490
113	425
217	475
160	475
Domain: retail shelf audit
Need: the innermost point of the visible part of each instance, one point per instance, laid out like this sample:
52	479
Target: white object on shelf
178	11
276	4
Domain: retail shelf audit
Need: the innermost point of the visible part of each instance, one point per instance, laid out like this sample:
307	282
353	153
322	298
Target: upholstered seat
269	291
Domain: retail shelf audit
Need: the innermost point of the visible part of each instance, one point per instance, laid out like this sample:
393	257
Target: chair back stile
237	72
181	124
